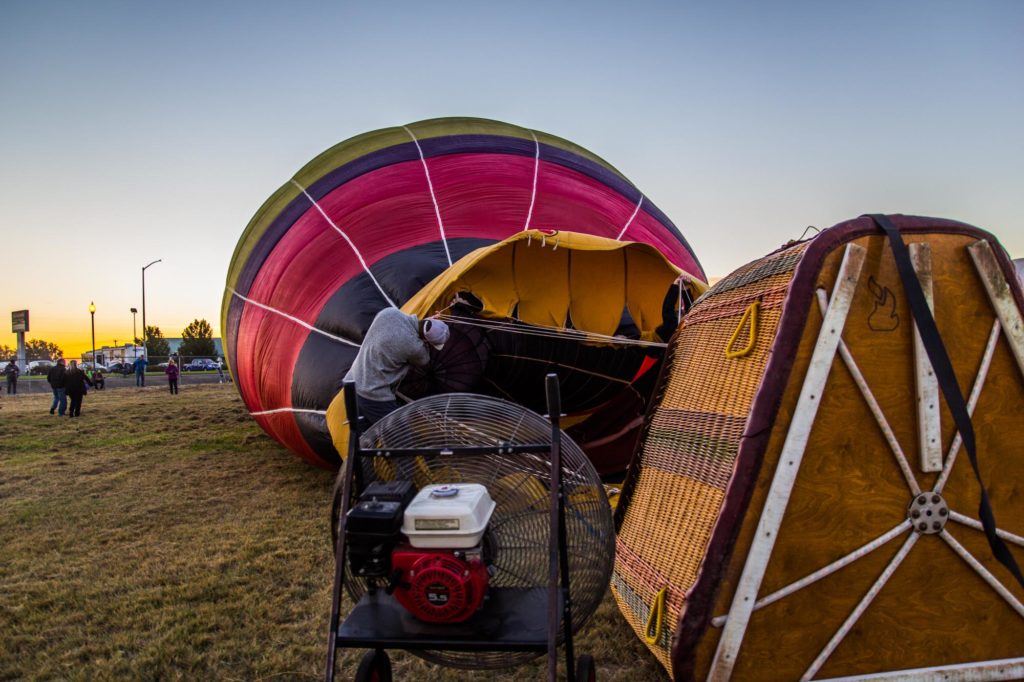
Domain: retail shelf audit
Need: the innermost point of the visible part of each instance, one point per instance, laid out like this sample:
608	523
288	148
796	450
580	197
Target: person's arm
419	354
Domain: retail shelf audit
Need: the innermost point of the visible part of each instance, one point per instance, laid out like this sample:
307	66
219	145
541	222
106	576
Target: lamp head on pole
133	311
92	308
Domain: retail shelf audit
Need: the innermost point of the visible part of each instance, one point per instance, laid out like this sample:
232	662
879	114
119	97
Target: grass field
166	537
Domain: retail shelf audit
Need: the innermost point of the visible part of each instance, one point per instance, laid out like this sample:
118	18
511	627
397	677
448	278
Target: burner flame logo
883	317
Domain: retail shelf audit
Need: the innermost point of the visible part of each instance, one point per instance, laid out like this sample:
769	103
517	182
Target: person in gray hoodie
394	342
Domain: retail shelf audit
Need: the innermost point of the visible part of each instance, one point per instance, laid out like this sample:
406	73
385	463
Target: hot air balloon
539	254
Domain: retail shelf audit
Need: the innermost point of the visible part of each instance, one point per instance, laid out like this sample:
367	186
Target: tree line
197	340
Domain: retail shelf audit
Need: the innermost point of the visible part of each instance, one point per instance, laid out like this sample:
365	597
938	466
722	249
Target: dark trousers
173	383
75	409
12	385
140	379
60	399
373	411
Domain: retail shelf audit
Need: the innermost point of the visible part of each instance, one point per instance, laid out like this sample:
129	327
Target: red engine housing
436	586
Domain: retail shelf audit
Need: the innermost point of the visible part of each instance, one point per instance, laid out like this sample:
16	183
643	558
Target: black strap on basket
939	357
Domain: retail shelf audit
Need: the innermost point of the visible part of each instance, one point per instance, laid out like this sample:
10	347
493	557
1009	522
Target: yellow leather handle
656	618
752	313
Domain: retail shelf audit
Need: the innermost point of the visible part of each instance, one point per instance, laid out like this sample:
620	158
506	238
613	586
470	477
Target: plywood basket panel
770	526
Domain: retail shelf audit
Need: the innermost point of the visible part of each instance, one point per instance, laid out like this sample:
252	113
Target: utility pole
92	320
135	334
145	336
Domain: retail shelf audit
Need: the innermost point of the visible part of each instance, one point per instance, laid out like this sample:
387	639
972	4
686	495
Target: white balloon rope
548	332
433	197
630	221
296	320
536	168
366	268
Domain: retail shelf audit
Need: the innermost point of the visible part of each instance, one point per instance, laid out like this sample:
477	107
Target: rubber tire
375	666
586	669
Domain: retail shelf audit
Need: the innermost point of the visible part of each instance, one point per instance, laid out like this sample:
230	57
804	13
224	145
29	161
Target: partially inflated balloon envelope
539	255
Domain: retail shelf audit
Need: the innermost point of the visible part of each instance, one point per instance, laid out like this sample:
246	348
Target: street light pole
92	320
135	336
145	336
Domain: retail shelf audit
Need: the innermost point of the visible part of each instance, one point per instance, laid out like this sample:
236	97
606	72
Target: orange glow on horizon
72	333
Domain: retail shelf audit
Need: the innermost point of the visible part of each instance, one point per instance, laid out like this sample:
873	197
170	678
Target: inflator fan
445	533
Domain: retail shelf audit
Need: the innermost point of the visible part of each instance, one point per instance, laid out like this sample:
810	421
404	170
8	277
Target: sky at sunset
131	132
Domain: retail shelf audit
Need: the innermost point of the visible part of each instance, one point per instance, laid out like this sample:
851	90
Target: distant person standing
172	376
220	370
11	371
76	382
57	378
140	370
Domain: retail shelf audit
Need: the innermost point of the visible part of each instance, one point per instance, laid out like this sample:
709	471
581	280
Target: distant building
108	355
175	343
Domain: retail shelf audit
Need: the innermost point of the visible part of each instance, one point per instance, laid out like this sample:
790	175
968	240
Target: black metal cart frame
372	623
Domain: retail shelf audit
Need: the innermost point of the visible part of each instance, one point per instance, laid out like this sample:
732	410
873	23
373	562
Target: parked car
122	368
39	366
201	365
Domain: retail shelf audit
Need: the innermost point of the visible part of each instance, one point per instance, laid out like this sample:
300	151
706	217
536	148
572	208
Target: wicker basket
767	527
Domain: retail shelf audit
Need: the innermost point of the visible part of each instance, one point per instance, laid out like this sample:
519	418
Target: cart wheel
586	671
375	666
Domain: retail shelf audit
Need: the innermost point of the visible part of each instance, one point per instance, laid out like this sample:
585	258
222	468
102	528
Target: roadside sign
19	321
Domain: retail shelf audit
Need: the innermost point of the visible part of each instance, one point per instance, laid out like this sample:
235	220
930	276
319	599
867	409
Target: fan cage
519	484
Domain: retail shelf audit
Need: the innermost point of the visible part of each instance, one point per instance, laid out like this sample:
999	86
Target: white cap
435	332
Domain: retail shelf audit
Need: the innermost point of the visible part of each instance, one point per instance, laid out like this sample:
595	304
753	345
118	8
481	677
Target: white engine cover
450	516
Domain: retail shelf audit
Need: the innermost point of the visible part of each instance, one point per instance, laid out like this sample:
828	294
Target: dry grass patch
162	537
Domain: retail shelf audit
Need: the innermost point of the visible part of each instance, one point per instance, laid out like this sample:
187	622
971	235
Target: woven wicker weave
690	443
727	405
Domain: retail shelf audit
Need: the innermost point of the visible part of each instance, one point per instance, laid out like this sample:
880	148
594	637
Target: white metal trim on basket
743	604
876	409
929	429
972	402
985	574
979	383
976	525
1004	669
812	578
861	607
825	349
999	294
